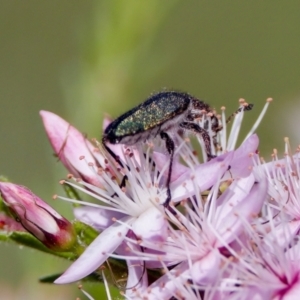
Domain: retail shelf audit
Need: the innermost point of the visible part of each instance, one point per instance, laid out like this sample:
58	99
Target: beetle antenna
242	108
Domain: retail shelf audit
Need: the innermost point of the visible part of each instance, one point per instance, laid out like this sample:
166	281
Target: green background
82	59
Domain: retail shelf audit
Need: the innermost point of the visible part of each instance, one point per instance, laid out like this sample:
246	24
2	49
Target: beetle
159	115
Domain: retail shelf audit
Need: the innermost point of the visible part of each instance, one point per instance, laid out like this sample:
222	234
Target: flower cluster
231	231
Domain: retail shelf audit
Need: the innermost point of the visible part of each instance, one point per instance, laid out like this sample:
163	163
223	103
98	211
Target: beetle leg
117	159
122	184
205	136
170	147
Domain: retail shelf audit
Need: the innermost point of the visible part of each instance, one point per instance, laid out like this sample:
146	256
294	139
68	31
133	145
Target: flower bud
37	217
72	148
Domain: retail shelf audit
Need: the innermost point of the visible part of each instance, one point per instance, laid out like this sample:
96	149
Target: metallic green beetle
159	115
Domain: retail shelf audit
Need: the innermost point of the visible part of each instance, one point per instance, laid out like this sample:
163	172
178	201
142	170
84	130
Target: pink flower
207	230
221	198
137	209
139	203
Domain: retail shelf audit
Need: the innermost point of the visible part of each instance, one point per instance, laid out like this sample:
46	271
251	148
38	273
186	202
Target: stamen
259	119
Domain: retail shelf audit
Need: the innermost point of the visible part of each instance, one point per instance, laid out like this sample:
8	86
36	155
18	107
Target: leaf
85	233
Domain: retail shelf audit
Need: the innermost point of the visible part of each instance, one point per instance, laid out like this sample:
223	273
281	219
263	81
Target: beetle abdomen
148	118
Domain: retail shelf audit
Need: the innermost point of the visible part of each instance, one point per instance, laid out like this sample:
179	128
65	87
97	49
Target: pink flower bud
37	217
72	148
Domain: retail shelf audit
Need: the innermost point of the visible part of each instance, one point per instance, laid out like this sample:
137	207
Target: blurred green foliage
82	59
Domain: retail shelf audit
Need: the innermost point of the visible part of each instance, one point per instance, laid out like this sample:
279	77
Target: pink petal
241	164
178	168
285	232
293	254
98	218
166	286
244	206
106	121
237	191
96	253
291	293
137	277
205	271
246	293
72	148
151	225
21	198
205	176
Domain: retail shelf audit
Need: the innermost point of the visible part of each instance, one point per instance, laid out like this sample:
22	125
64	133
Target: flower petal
96	253
291	293
98	218
206	270
166	286
241	164
177	170
205	176
151	226
137	277
242	205
71	147
285	232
